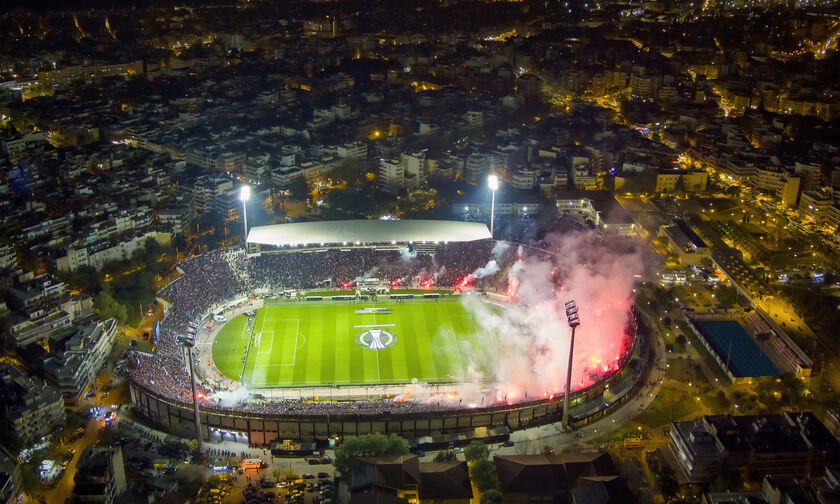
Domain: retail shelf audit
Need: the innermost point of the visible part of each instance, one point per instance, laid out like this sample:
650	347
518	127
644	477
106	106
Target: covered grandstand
365	232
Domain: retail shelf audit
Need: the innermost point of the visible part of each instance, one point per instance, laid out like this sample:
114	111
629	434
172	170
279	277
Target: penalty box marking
298	336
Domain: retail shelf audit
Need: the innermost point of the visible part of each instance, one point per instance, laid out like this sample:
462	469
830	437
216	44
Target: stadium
320	330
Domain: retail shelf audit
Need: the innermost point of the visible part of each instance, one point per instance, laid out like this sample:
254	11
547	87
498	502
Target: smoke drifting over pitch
524	343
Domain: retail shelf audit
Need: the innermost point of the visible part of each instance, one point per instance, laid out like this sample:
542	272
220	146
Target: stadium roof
350	232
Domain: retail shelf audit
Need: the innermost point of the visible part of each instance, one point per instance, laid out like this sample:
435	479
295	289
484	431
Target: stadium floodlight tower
493	183
574	321
244	196
188	342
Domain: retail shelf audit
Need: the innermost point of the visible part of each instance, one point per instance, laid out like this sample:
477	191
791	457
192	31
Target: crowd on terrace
222	276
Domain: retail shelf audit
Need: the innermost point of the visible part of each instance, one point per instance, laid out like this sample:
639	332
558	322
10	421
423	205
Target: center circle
376	339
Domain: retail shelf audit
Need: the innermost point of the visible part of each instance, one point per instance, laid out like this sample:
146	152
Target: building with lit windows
85	352
692	181
790	443
816	207
31	409
100	475
683	242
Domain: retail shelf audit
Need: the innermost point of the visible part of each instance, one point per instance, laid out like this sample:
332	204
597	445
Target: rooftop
367	231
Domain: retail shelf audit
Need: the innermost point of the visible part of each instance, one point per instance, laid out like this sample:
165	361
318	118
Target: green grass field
313	343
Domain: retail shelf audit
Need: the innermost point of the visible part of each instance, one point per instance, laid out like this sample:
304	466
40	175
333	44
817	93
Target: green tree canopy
668	484
445	456
476	450
483	475
108	307
371	445
491	496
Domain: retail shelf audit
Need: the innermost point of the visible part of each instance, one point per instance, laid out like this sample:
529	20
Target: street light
244	195
574	321
493	183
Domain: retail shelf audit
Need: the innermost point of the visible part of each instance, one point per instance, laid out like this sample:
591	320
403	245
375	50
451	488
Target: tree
483	475
350	171
491	496
445	456
668	484
290	474
476	450
726	482
71	423
10	440
370	445
643	182
680	340
29	481
108	307
722	399
298	190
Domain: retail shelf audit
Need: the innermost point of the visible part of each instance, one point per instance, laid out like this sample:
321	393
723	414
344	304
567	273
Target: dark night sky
57	5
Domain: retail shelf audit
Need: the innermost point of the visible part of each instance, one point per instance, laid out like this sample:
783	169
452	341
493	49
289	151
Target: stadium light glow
493	183
574	321
244	196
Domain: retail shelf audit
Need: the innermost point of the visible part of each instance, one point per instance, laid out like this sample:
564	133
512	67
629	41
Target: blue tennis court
746	359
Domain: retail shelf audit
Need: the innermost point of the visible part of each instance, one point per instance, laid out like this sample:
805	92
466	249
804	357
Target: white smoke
491	268
419	391
499	249
521	347
231	398
368	274
407	255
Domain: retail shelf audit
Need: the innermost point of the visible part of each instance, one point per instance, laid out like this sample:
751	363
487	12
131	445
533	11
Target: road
64	488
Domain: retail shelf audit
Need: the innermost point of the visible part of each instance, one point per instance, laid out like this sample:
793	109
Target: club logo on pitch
376	339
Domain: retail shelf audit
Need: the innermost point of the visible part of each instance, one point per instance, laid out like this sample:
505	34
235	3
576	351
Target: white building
414	170
85	353
353	150
391	175
32	409
97	255
524	178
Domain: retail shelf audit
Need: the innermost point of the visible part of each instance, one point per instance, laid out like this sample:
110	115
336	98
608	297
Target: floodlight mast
574	321
244	195
493	183
188	343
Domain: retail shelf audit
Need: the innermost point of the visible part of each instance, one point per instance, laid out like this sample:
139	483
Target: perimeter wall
263	428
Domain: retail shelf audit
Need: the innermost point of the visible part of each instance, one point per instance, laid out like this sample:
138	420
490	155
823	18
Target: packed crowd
217	278
310	270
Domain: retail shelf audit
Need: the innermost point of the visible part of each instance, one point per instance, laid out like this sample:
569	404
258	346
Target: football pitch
305	343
